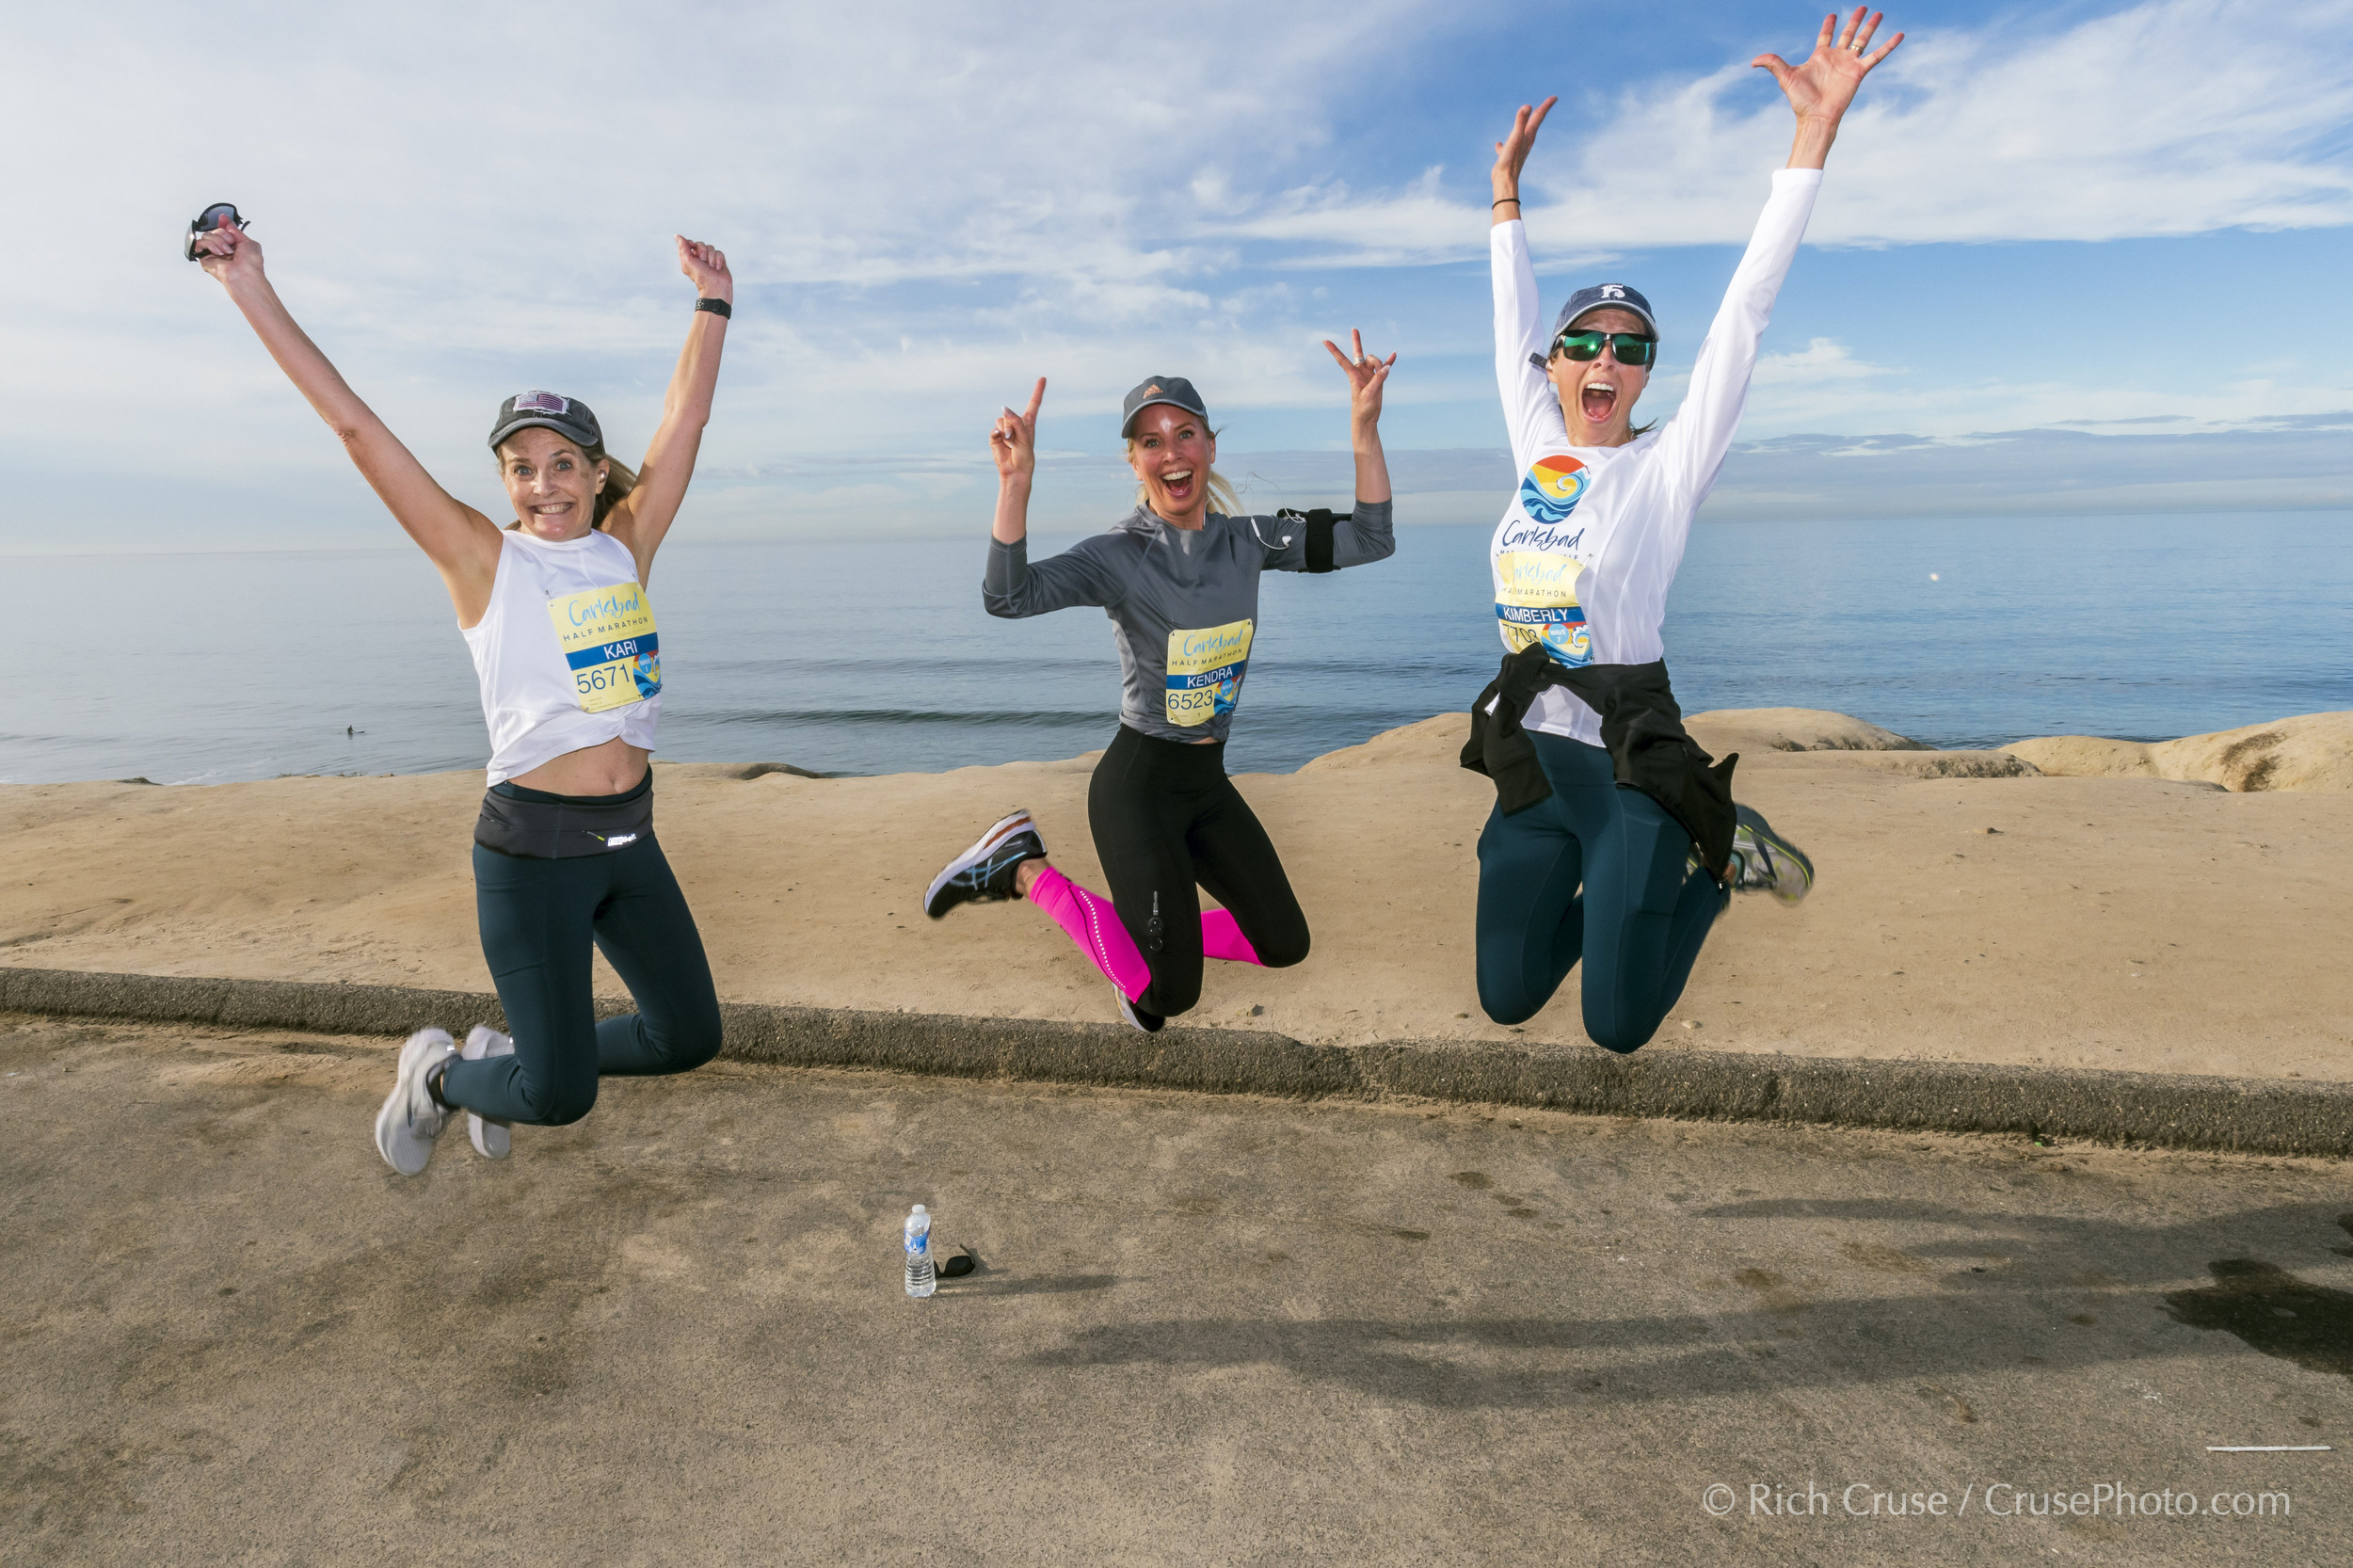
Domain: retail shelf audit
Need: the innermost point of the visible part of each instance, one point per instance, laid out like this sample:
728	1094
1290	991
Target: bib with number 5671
608	638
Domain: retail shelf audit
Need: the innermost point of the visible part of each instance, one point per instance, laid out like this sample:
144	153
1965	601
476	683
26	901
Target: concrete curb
2247	1116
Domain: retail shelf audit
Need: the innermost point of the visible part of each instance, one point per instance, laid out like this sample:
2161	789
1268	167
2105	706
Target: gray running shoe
490	1138
983	873
412	1118
1765	863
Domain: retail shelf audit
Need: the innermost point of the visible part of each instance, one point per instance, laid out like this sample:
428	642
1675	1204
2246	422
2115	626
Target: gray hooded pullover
1183	604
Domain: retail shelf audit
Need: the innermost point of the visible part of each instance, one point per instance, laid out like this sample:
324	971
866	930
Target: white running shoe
488	1135
1765	863
411	1119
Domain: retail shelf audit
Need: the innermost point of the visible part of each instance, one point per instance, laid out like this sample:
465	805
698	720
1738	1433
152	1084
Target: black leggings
1166	819
539	919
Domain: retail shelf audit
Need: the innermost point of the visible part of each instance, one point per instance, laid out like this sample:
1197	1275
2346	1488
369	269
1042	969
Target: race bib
1205	671
1536	602
607	636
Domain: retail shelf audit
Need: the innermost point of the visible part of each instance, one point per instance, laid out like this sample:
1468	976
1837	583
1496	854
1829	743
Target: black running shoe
983	873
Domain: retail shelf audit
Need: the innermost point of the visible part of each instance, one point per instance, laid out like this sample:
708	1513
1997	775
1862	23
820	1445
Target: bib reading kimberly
608	638
1205	671
1536	602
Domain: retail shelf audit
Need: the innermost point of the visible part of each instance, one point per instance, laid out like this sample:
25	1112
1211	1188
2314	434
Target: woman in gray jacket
1179	577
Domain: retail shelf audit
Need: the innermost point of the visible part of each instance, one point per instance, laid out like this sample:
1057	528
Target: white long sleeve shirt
1586	550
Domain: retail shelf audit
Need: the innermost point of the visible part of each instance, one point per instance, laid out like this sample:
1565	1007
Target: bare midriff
610	769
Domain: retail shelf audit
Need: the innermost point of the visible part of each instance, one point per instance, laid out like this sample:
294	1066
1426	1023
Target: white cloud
928	204
1823	359
916	197
2173	116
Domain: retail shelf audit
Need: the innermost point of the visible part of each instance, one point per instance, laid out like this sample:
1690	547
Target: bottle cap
918	1208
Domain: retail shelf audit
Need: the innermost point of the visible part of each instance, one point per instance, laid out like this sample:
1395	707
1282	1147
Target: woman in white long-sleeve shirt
1582	561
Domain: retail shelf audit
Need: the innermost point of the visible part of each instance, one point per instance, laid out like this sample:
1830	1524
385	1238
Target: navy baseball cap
567	417
1175	390
1604	297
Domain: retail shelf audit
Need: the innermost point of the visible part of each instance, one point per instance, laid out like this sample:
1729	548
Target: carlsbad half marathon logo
1553	487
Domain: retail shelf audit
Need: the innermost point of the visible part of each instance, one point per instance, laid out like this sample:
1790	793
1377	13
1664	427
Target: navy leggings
1597	873
538	919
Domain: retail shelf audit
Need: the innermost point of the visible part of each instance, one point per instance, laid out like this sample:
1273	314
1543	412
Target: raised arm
643	515
1819	93
1013	445
462	544
1367	375
1010	587
1366	535
1531	410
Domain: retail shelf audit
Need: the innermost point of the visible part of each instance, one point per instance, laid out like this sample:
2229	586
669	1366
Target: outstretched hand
1821	88
231	256
1013	442
1512	151
1367	373
707	265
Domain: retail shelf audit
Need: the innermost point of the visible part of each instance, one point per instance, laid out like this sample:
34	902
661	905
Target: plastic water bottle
921	1279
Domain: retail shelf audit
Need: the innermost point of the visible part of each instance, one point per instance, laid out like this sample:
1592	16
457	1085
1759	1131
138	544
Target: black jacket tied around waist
1642	728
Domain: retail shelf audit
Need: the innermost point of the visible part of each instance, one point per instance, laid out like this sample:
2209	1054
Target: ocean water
857	656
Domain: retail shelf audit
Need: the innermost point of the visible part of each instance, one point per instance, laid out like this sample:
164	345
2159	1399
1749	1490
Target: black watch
719	308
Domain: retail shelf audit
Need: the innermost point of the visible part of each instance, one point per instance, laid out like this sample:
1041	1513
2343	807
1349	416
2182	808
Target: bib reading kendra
609	640
1205	672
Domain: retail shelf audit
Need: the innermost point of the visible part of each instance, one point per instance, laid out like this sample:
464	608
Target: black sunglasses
1631	348
221	215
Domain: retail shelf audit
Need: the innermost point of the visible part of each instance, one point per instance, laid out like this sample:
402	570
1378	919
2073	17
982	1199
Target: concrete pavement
1207	1330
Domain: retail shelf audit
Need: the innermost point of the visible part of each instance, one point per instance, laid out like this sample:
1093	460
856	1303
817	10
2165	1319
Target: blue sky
2085	256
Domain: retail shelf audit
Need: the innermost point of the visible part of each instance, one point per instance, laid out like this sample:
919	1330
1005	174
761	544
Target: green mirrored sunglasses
1630	348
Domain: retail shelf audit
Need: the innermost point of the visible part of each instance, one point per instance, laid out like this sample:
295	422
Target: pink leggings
1096	926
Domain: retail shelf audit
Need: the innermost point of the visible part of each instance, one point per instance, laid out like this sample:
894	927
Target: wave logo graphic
1553	487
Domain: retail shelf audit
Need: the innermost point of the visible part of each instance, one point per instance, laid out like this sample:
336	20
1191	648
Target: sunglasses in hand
1630	348
221	215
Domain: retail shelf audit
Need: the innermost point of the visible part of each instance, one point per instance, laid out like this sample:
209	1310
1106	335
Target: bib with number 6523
607	635
1205	671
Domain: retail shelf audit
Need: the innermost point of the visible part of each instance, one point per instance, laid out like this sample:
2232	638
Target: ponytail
619	479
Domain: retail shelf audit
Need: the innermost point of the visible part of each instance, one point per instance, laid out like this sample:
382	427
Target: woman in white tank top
553	608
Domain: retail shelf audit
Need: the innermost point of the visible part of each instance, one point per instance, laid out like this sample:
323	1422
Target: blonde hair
1222	496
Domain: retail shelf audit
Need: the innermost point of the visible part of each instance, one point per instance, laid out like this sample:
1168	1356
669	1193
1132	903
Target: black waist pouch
540	826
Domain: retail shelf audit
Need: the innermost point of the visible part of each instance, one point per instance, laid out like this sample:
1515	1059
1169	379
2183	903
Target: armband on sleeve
1318	544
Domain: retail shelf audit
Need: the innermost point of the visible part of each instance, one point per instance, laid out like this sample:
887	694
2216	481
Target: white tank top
566	652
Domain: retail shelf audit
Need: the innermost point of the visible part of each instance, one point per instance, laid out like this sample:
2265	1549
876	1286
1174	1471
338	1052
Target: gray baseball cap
567	416
1604	297
1175	390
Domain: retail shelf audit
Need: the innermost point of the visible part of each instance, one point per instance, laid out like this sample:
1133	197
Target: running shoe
983	873
411	1117
1765	863
488	1134
1137	1017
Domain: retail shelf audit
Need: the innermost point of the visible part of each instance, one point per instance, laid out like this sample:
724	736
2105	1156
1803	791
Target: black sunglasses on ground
1631	348
221	215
